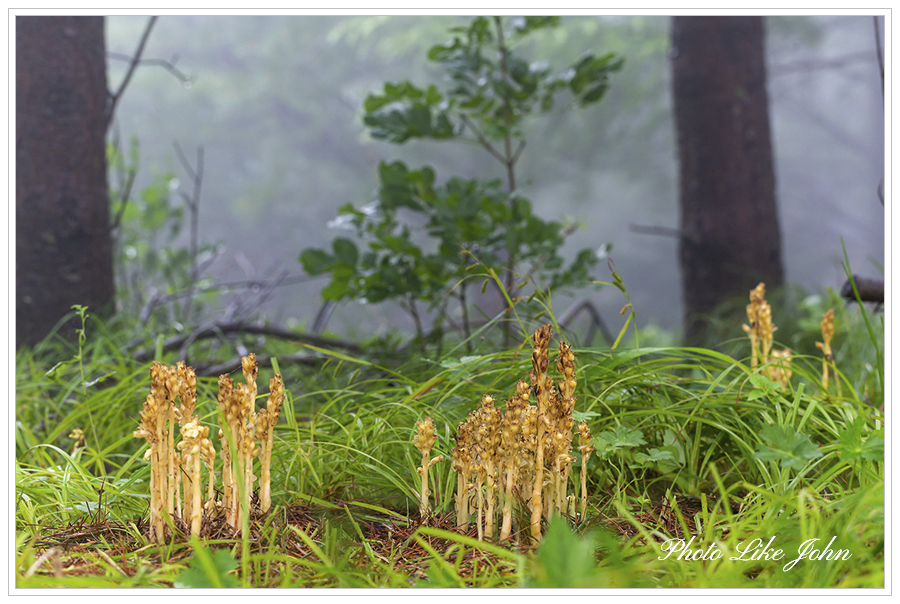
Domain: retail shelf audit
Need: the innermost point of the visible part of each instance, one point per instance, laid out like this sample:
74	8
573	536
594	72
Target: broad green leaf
852	446
653	456
208	569
565	560
623	438
345	251
785	445
315	261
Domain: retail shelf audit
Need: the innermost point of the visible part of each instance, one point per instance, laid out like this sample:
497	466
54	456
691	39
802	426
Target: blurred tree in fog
730	238
63	243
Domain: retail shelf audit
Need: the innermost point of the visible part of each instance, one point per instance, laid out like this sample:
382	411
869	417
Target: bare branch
235	363
813	64
131	174
167	65
193	204
323	315
596	320
135	61
655	230
518	151
126	197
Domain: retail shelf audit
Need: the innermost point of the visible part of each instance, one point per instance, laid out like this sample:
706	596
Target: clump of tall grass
795	457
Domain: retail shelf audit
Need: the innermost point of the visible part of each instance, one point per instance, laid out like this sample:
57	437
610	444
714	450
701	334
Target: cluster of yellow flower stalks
827	326
776	364
521	455
175	471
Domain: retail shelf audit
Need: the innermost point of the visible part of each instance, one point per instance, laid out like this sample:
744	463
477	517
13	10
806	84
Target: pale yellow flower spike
827	325
780	370
424	441
585	447
462	465
542	385
511	444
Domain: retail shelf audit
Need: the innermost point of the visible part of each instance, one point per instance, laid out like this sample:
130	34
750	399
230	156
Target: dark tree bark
730	239
63	242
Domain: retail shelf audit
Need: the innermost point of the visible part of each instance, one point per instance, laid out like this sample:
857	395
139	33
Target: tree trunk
730	239
63	243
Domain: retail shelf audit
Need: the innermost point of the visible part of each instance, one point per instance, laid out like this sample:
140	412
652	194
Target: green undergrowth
691	444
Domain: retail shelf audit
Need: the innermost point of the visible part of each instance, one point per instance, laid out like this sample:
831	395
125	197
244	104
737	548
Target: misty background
276	104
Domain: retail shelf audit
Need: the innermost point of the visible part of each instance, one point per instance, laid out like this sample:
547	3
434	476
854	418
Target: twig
135	61
596	320
167	65
323	315
415	315
655	230
509	158
484	142
467	328
51	554
126	196
811	64
158	299
193	204
129	183
518	151
880	56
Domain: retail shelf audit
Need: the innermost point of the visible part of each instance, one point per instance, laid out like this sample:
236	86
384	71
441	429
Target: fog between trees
276	104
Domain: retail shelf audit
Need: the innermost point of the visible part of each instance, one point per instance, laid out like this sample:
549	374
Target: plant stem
423	493
415	315
509	158
467	328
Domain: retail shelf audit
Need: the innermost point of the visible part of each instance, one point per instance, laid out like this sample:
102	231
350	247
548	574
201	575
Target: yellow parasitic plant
171	497
585	447
511	443
523	455
827	326
542	386
775	365
265	433
424	441
761	329
463	466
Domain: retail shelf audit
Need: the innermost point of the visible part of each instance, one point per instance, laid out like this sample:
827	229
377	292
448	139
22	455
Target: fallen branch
232	365
220	329
870	290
